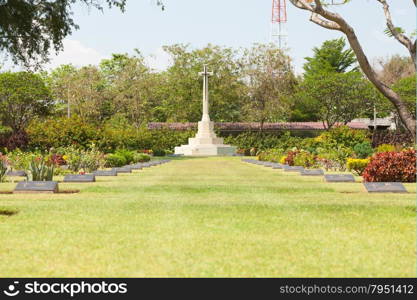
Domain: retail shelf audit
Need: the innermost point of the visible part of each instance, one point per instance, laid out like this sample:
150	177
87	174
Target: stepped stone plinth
205	143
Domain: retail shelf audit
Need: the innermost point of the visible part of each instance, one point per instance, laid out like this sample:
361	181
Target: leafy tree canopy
331	57
30	29
23	96
337	97
406	88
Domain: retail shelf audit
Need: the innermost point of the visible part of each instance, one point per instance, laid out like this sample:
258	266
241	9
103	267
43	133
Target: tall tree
29	29
84	90
270	81
23	96
183	87
406	87
338	98
331	57
324	17
394	68
60	81
132	86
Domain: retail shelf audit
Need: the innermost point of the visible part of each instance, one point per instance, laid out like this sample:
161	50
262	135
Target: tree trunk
334	21
394	98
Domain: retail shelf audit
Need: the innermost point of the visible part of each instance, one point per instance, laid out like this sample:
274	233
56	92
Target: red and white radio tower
279	19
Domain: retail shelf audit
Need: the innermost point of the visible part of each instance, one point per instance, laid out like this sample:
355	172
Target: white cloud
77	54
159	60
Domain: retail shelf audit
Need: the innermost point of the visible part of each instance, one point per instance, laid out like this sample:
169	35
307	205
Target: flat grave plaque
16	173
136	167
339	178
26	187
80	178
105	173
317	172
385	187
293	169
122	170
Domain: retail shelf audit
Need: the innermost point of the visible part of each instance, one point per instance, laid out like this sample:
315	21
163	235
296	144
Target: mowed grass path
209	217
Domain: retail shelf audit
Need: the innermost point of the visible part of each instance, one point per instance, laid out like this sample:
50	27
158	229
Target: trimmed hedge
64	132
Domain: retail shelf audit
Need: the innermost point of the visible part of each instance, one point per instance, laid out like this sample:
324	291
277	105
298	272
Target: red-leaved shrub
392	167
289	160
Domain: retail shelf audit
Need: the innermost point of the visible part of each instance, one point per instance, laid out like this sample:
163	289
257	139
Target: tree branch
324	23
334	21
403	39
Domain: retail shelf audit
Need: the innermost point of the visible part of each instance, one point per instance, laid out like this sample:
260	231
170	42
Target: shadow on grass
8	212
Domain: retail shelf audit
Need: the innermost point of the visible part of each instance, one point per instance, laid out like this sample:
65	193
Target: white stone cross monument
205	143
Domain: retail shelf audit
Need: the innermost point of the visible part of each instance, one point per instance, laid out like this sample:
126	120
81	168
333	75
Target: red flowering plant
149	152
57	159
392	167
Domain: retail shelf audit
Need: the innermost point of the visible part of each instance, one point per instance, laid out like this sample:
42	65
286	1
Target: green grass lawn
209	217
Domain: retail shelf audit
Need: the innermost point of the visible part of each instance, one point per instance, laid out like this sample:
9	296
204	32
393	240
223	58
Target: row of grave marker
371	187
52	186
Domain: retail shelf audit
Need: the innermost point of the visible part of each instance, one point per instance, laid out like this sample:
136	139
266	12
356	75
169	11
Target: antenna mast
279	19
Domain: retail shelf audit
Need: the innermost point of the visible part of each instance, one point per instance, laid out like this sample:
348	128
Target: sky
231	23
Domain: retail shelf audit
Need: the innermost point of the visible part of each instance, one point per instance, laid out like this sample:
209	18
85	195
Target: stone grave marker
27	187
123	170
293	169
136	167
80	178
385	187
103	173
317	172
16	173
339	178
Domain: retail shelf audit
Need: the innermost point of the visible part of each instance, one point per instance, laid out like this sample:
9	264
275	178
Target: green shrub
336	158
342	136
127	154
73	157
305	159
158	152
263	141
272	155
77	159
19	160
58	171
115	160
363	150
385	148
92	159
329	165
61	132
3	167
141	158
357	166
113	135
